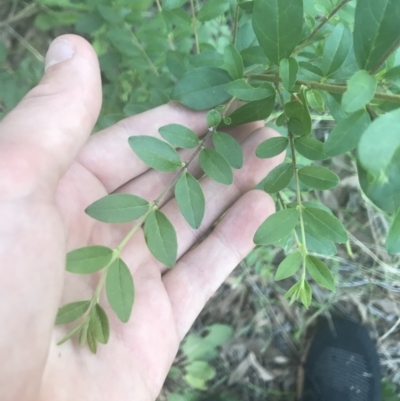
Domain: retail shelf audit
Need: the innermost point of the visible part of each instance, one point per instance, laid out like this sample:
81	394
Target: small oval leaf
229	148
318	177
120	289
190	199
160	236
99	325
179	136
71	312
216	166
279	178
272	147
89	259
276	227
289	266
155	153
320	272
118	208
310	148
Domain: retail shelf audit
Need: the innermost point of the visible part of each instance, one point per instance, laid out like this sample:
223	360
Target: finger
40	138
109	157
201	271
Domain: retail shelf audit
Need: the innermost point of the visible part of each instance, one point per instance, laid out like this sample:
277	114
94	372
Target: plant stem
146	56
235	27
299	204
325	87
391	49
25	13
318	28
159	6
194	25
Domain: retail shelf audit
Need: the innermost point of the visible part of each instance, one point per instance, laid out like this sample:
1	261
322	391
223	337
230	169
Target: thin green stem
236	23
299	204
331	88
145	55
194	25
159	5
391	49
318	28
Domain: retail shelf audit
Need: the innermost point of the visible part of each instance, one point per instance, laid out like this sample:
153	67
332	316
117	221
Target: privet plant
287	61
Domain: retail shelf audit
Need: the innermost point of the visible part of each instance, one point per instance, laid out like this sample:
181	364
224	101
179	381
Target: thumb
40	138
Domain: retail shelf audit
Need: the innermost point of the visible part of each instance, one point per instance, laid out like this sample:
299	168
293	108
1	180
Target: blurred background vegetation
248	342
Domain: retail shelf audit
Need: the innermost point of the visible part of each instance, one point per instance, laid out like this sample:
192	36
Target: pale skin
51	169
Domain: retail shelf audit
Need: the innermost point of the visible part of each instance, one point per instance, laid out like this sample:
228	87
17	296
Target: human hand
50	171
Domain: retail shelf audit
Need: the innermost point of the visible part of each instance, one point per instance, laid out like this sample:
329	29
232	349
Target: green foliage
160	237
179	136
278	25
190	199
282	58
89	259
118	208
155	153
99	325
120	289
216	166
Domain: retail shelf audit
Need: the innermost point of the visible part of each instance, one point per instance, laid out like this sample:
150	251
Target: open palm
50	172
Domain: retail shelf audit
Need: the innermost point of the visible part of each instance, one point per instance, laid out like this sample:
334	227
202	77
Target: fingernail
60	50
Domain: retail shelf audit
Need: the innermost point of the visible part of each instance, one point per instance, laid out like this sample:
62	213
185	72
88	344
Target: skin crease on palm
51	169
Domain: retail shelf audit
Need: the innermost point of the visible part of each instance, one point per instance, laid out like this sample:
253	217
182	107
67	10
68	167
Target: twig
318	28
194	25
235	27
391	49
26	44
325	87
25	13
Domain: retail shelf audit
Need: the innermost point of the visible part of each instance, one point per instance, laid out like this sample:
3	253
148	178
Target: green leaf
289	266
293	292
190	199
376	29
213	9
337	48
92	341
118	208
306	294
288	69
347	133
195	383
229	148
299	118
254	111
317	244
201	370
89	259
318	177
161	238
155	153
272	147
216	166
120	289
361	89
310	148
179	136
99	325
278	25
276	227
325	224
315	100
173	4
71	312
246	5
320	272
393	238
202	88
233	62
243	91
279	178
